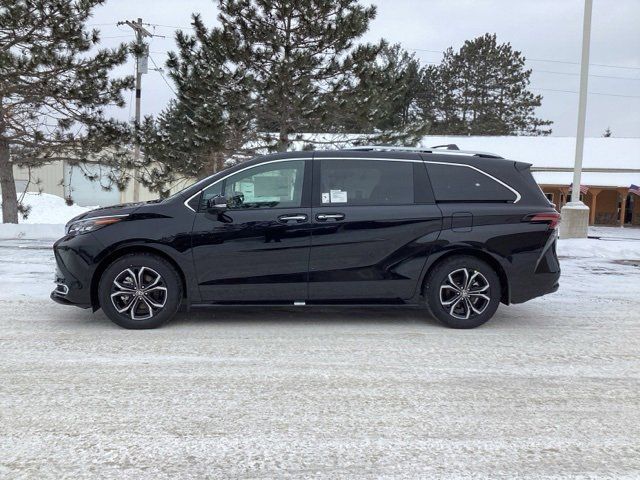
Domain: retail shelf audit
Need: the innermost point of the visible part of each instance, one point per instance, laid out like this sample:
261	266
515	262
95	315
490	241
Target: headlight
90	224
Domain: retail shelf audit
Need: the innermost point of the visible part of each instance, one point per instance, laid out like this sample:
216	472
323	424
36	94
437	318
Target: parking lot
547	389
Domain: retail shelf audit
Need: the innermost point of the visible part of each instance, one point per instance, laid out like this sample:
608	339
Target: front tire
140	291
462	292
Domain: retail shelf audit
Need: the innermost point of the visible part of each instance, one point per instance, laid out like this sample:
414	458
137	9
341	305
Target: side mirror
217	204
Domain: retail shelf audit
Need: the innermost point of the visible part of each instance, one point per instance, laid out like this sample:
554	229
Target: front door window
271	185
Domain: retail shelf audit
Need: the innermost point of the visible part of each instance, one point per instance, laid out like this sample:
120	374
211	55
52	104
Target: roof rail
449	146
449	149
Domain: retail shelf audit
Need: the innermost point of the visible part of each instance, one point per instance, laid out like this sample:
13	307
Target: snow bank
608	243
45	220
50	209
603	248
34	231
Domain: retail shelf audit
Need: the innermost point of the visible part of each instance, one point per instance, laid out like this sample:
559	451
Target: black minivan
453	231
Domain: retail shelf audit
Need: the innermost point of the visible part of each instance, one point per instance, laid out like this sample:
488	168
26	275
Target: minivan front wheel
140	291
462	292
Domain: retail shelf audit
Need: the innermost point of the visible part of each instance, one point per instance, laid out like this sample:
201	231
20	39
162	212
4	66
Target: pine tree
481	90
304	64
52	90
383	101
273	70
209	121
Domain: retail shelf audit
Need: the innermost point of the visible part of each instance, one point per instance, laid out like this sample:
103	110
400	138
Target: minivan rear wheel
140	291
462	292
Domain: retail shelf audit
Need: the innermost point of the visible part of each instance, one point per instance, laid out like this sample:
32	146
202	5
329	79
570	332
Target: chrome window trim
509	187
513	190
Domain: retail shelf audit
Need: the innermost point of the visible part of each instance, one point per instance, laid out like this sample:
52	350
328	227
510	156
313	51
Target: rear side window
366	182
459	183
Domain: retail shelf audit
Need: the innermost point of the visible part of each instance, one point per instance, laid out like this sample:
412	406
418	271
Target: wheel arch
126	250
480	255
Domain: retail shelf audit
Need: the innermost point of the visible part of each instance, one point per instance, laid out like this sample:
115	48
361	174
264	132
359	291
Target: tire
459	299
140	305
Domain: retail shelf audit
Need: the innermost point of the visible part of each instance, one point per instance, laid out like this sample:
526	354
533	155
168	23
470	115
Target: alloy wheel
465	293
139	292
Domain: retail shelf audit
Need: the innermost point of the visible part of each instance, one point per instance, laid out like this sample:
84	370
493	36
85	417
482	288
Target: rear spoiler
520	166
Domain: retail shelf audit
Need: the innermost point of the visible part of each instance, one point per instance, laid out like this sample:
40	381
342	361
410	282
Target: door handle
323	217
298	218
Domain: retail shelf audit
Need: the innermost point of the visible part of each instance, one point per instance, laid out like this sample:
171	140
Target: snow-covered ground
547	389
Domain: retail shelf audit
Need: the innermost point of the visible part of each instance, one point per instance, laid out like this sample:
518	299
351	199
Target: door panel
258	249
252	256
374	253
374	223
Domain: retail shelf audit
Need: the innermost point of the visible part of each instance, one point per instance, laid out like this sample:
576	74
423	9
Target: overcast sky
547	32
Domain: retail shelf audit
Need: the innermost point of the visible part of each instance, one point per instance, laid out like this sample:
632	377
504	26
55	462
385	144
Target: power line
591	75
567	62
159	70
590	93
168	26
119	36
545	60
578	63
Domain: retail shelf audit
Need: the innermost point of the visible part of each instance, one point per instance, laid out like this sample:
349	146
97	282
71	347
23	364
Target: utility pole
141	67
575	215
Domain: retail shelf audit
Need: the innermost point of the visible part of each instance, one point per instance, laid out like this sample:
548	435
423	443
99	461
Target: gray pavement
547	389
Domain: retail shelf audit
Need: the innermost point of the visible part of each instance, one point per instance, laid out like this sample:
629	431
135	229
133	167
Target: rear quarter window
460	183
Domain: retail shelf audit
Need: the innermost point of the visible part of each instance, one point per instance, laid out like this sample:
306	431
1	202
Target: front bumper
75	266
58	298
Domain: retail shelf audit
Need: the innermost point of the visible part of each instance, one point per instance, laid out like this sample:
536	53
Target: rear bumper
544	278
537	286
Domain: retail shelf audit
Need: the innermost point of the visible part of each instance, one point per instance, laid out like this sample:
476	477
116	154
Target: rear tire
462	292
140	291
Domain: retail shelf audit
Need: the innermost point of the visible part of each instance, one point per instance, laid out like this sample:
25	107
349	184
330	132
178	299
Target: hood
122	209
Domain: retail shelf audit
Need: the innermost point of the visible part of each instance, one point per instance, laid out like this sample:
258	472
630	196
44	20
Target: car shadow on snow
505	317
302	315
275	316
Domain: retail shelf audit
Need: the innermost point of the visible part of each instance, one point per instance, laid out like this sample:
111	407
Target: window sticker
325	197
338	196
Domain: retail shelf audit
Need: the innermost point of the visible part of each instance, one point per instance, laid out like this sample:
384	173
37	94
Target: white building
67	181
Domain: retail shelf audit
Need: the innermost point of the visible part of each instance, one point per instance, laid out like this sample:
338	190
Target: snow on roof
599	179
610	153
556	152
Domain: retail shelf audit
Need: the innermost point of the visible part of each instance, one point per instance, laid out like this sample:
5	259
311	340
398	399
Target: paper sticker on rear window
338	196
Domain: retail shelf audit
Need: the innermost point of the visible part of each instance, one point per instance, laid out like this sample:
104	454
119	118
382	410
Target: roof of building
608	161
599	152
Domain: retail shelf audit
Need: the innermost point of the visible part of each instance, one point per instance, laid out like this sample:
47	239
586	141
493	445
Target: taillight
550	218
